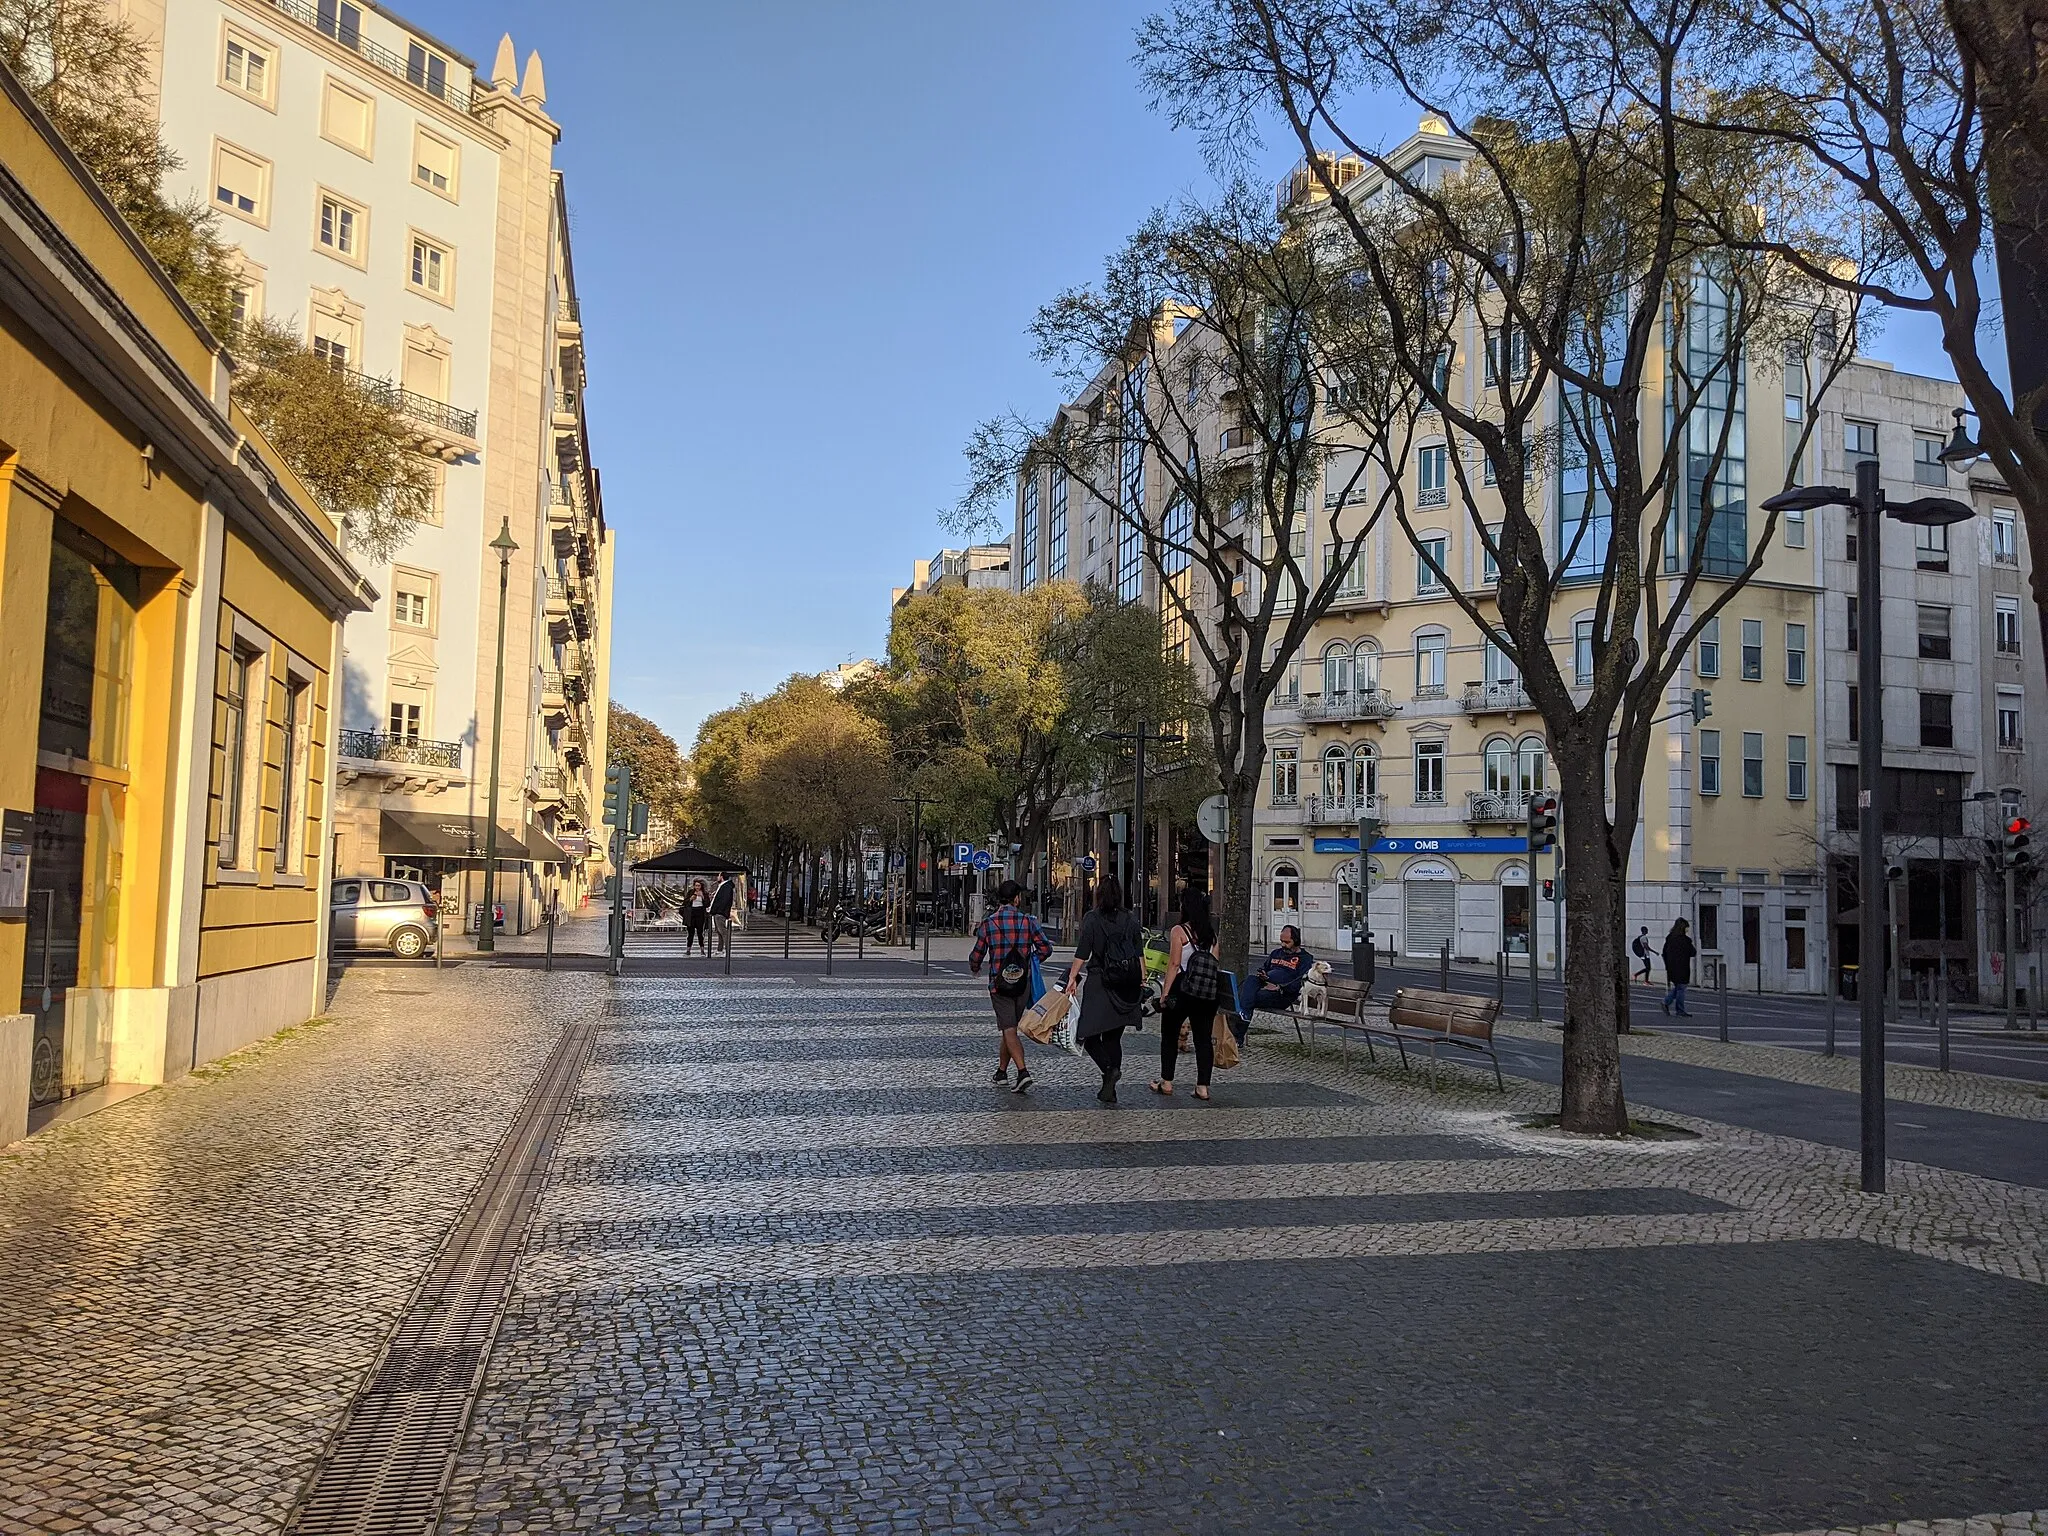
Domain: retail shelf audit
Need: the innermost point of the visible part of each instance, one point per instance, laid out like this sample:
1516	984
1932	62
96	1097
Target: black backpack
1123	968
1200	980
1013	974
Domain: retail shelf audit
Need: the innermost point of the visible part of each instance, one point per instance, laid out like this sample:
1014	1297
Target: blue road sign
983	859
963	853
1085	863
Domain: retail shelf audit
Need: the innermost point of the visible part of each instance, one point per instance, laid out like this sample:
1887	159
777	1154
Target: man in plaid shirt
1014	938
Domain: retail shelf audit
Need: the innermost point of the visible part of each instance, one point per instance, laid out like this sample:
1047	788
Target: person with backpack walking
1015	940
1678	954
1111	947
1190	994
1641	950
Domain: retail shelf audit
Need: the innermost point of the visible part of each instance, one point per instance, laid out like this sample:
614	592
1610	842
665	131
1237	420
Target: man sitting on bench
1277	983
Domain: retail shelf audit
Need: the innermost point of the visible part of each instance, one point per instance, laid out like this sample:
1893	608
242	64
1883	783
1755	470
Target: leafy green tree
660	777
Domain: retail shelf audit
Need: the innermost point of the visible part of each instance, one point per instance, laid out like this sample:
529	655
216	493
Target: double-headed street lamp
1868	507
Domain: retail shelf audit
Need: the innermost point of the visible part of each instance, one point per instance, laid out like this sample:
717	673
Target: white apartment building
404	215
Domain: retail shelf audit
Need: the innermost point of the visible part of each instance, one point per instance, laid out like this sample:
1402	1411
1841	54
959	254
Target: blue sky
809	239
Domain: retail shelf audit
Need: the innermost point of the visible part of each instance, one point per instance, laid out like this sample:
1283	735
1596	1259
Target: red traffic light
2018	825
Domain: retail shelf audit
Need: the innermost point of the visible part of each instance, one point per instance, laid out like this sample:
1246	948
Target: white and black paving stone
799	1268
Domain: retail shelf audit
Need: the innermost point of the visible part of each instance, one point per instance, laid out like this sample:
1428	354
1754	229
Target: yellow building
170	606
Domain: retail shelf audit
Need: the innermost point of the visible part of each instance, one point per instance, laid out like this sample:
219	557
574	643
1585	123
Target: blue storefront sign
1427	845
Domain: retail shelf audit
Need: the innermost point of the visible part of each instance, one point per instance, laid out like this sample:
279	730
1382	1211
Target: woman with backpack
1111	947
1193	988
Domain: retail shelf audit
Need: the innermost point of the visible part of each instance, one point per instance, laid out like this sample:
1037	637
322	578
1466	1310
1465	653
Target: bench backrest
1454	1013
1343	996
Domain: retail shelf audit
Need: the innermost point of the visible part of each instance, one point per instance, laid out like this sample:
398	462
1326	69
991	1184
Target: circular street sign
1213	817
1085	863
983	859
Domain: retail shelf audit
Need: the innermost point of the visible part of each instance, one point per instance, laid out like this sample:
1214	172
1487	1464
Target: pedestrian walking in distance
1640	948
1189	999
1010	940
697	918
1678	953
1111	949
721	912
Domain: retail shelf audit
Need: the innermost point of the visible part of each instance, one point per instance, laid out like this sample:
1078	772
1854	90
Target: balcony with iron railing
424	71
414	406
567	404
1338	811
384	747
1350	704
1427	691
1497	698
569	312
1486	807
546	785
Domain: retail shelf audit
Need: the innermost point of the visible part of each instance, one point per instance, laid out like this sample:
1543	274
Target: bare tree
1204	425
1561	223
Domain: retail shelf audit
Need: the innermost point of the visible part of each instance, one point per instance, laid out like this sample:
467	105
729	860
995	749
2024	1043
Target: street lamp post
1136	841
487	926
1867	506
916	804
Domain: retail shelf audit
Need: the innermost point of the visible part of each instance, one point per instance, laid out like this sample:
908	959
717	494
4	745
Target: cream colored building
403	211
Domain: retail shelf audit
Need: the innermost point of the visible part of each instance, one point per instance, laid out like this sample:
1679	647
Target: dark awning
423	835
688	861
543	849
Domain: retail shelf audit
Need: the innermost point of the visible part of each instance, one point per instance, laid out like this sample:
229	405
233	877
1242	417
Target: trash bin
1362	958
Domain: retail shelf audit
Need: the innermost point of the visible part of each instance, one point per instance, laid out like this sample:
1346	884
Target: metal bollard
927	951
2033	1010
728	946
1443	970
1829	1048
861	942
785	935
1721	977
1941	1016
828	956
551	941
1500	977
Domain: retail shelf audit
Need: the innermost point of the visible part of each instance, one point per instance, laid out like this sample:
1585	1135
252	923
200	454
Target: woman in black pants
1111	945
1196	931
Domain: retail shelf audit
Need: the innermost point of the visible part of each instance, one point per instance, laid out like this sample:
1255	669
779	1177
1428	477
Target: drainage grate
387	1468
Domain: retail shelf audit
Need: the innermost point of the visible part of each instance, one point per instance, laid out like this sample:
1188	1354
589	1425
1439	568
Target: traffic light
639	818
1542	823
618	794
1549	891
2012	850
1702	704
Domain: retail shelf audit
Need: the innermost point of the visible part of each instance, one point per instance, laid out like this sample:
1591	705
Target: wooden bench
1436	1019
1343	1006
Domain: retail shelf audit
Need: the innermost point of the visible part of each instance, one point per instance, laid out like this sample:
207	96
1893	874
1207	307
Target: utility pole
1135	839
618	815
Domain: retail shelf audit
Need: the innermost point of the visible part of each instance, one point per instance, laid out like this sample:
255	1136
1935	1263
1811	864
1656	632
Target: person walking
721	912
1181	999
1678	956
1111	948
1013	938
697	918
1640	948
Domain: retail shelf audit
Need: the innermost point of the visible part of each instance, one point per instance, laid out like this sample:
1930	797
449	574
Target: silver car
401	916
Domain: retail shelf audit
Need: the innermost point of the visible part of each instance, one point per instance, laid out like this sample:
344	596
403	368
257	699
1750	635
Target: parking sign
963	853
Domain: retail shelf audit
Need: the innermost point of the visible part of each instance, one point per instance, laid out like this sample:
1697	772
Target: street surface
796	1266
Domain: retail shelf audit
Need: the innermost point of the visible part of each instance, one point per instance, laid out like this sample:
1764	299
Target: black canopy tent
671	874
688	861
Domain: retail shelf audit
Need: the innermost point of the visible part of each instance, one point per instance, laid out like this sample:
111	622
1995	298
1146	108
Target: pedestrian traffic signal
618	794
2013	852
1549	891
1702	704
1542	823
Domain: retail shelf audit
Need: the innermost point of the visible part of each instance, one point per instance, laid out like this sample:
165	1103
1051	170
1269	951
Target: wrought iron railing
334	25
383	747
409	402
1352	704
547	781
570	311
1340	810
1484	698
565	402
553	683
1485	806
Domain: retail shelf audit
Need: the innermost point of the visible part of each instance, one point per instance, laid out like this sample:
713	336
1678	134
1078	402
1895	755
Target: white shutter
1432	915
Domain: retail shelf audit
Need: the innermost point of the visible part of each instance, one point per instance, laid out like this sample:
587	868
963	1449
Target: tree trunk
1591	1099
1237	890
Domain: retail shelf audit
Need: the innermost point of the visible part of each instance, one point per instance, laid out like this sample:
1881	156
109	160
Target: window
1130	560
245	298
2009	703
1433	476
1855	626
2005	537
1753	765
1582	652
1489	555
1715	530
435	162
1286	892
1432	648
1710	647
1500	670
1365	667
412	600
290	797
241	184
1499	760
1337	671
433	268
2006	618
1288	578
1028	531
404	720
425	370
1365	773
1859	442
1795	654
1795	528
347	117
246	67
334	339
426	69
1855	712
1429	565
1056	530
1795	382
1934	633
1336	776
341	228
1350	572
1795	767
1286	775
1429	773
1752	650
1710	762
242	682
1529	767
1927	466
1937	720
1517	343
341	21
1930	547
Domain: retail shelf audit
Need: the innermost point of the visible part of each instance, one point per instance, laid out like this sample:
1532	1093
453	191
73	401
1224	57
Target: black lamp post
487	925
1868	509
916	804
1143	734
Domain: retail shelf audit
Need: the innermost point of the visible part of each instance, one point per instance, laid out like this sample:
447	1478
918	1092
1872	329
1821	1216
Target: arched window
1500	768
1365	772
1286	887
1365	667
1336	670
1336	775
1529	766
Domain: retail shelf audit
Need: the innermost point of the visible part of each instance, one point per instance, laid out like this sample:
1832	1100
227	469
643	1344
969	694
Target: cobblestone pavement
800	1268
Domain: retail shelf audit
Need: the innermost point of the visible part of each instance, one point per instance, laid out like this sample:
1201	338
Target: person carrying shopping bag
1111	947
1193	988
1017	944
